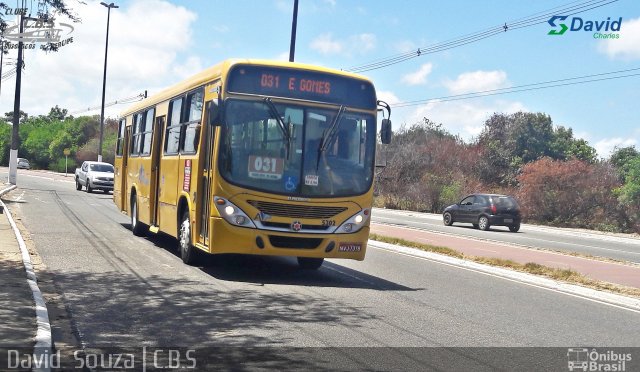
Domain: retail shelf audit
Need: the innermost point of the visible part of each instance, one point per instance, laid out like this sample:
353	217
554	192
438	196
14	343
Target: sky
155	43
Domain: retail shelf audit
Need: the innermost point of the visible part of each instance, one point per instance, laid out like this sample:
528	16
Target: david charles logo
609	27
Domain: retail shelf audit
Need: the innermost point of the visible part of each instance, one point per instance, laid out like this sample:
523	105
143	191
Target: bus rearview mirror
385	131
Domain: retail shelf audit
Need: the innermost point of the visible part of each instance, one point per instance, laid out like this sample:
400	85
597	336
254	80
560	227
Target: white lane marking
605	298
506	244
43	343
47	178
550	229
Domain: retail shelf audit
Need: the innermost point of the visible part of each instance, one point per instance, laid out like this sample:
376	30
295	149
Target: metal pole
294	24
65	165
15	133
104	79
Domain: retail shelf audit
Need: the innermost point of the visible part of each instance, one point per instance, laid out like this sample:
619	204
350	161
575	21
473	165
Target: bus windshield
306	151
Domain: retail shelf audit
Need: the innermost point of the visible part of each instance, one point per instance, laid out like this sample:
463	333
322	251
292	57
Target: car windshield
256	153
108	168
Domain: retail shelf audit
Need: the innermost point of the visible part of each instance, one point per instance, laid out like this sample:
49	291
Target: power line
528	21
527	87
136	98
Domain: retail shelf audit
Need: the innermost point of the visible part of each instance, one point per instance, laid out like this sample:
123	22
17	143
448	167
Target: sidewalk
611	272
17	310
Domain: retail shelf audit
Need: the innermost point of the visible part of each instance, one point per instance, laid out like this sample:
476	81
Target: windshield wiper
327	137
284	128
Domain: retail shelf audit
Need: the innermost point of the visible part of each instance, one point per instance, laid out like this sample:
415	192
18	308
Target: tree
569	193
511	141
8	116
56	113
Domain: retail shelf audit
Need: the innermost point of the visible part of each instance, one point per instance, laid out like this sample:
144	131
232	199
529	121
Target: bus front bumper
226	238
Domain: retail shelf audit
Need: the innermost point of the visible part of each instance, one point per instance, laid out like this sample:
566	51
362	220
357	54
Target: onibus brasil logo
585	360
602	29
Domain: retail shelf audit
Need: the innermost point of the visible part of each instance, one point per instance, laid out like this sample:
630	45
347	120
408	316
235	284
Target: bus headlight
355	223
232	213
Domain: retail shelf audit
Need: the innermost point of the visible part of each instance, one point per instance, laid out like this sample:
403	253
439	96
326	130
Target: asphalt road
567	240
121	290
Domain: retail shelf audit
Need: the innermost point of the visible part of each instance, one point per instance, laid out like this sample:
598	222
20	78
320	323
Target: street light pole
294	24
15	133
104	78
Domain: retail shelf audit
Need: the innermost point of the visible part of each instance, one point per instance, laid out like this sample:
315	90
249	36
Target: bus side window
147	132
120	142
191	122
172	137
136	133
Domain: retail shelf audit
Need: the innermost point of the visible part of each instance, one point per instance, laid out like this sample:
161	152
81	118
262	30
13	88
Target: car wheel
310	263
89	189
105	191
483	223
78	185
137	227
514	228
475	226
188	252
447	219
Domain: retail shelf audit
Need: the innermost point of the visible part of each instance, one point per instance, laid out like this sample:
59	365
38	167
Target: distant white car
23	163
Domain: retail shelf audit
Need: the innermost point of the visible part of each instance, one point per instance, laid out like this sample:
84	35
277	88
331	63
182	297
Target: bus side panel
168	198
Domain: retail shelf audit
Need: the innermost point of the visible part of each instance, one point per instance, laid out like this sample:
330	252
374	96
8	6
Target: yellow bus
254	157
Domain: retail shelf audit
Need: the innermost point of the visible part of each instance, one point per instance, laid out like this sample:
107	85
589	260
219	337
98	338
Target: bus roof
216	71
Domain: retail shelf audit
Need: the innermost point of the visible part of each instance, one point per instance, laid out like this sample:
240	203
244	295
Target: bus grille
298	243
296	211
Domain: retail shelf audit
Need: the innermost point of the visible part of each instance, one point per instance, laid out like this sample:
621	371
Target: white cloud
418	77
326	44
388	96
477	81
149	45
627	47
463	118
605	147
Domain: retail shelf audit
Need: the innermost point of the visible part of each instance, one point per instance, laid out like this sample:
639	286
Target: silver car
23	163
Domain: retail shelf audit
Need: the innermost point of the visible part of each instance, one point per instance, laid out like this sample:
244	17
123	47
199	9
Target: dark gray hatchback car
484	211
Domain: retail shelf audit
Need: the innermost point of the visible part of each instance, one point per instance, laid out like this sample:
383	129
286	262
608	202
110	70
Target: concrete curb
612	299
43	344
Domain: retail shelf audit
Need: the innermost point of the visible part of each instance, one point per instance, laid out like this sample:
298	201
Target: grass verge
565	275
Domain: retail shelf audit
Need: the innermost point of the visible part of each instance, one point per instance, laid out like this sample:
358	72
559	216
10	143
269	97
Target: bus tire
310	263
188	252
137	227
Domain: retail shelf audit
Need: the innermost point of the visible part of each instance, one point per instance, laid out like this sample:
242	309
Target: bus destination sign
315	86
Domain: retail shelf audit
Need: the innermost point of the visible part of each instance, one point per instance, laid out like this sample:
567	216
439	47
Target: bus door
124	173
204	189
120	165
154	192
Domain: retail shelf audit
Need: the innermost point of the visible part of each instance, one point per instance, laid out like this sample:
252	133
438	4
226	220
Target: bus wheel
137	227
188	253
309	263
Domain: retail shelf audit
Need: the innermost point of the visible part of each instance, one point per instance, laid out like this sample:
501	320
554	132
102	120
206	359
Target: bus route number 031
265	167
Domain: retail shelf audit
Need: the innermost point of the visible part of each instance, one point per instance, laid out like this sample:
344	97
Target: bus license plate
350	247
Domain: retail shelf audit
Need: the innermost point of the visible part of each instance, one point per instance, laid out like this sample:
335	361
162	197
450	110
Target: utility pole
15	134
104	78
294	25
